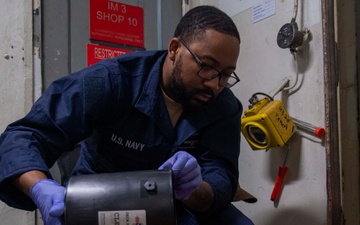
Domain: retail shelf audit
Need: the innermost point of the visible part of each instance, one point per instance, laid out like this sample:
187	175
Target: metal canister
122	198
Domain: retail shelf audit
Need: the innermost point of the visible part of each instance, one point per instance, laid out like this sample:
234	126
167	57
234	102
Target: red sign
116	22
96	53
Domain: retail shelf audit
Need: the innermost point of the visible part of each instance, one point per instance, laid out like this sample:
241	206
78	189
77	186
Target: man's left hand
187	174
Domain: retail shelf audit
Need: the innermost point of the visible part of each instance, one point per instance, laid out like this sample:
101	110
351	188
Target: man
147	110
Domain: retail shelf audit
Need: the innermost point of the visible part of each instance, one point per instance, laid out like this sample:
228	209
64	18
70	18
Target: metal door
65	32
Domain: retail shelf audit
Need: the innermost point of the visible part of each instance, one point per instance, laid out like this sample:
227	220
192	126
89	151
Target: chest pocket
190	143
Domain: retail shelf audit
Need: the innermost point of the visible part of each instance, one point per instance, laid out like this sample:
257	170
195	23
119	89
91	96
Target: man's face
216	50
187	95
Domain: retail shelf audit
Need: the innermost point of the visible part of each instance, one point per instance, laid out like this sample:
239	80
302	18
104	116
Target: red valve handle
319	132
278	183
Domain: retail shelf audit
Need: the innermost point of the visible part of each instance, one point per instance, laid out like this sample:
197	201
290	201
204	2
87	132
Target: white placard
233	7
263	10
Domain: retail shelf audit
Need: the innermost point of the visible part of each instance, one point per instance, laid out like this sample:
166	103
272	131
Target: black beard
179	92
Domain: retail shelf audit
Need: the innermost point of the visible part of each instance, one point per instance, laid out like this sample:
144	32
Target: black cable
266	95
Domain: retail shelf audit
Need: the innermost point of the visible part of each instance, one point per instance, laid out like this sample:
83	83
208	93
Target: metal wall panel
55	40
65	32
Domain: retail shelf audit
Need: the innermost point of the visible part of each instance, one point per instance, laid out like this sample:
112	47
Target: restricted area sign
96	53
116	22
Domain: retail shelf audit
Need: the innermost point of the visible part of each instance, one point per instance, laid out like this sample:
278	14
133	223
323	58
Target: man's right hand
48	196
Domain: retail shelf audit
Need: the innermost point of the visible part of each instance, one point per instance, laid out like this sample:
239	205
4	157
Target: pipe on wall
358	52
334	211
159	25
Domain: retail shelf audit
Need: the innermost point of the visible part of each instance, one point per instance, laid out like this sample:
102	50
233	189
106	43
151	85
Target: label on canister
122	217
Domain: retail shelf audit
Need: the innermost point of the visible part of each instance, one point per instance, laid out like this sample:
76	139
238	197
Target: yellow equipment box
267	124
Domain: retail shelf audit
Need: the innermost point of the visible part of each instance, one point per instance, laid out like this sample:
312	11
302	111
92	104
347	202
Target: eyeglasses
208	72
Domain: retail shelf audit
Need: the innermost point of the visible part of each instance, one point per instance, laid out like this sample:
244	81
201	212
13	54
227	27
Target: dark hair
199	19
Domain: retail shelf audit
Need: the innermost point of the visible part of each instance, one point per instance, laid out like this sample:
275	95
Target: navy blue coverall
116	109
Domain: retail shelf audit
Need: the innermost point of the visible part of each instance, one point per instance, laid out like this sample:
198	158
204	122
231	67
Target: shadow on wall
293	216
277	157
293	160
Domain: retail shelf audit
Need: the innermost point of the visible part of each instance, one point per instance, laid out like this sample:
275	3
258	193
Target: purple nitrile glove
187	174
48	196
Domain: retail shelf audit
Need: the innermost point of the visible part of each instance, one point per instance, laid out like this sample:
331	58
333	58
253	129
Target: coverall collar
152	104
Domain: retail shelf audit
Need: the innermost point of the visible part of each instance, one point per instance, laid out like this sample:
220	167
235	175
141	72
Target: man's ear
173	48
